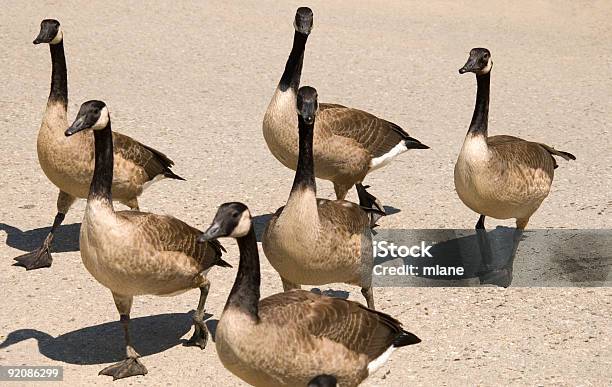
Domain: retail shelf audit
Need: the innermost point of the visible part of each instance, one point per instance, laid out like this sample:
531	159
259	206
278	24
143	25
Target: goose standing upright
314	241
500	176
135	253
68	162
295	338
348	143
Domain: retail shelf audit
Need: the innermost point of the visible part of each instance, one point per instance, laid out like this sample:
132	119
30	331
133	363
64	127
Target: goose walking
348	143
291	338
69	162
135	253
314	241
500	176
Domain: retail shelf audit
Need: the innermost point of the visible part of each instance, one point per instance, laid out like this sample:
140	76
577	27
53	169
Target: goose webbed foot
199	337
131	366
36	259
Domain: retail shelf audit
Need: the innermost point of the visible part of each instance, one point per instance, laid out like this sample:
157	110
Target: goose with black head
348	143
313	241
69	162
295	338
500	176
135	253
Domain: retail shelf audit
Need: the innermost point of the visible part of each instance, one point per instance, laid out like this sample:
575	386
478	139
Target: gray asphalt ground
194	80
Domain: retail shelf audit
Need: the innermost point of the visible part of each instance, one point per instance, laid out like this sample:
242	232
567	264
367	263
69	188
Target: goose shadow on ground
104	343
66	238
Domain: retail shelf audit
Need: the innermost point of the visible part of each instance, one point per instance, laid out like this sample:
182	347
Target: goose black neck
245	292
293	68
480	118
59	77
304	173
102	180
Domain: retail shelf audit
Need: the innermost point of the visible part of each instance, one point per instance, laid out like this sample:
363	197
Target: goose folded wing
344	215
167	233
374	134
153	162
351	324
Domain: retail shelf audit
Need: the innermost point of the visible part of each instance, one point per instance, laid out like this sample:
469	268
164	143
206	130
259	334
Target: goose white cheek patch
488	68
58	37
243	227
102	120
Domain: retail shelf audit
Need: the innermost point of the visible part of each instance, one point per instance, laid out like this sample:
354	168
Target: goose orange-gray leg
369	296
41	257
521	224
200	333
131	366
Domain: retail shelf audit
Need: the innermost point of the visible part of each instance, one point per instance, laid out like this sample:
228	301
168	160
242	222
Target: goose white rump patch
379	361
385	159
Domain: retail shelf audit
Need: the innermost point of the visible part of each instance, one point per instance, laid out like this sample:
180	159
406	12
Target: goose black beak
470	66
213	232
77	126
44	36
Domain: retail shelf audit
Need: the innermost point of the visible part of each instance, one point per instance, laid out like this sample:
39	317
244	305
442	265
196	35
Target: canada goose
290	338
348	143
68	162
134	253
314	241
500	176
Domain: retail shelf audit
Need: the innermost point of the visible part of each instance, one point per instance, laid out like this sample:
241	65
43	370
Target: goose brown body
503	176
68	162
134	253
316	241
317	334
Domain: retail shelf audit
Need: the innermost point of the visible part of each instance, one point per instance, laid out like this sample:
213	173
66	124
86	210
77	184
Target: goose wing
154	162
516	152
167	233
376	135
360	329
343	215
